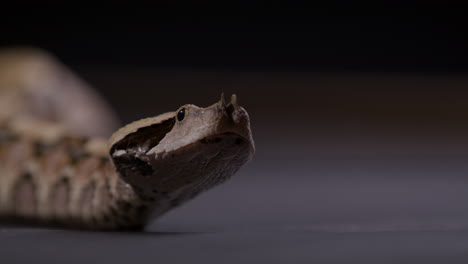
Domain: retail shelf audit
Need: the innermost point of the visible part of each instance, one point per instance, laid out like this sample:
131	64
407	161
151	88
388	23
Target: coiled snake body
55	170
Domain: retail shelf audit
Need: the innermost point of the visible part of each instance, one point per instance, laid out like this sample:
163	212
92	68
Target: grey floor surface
348	169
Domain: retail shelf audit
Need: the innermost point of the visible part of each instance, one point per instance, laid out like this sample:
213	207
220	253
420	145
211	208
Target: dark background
390	36
359	116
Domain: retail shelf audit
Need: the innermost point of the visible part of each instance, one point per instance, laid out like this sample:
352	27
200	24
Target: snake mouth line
238	139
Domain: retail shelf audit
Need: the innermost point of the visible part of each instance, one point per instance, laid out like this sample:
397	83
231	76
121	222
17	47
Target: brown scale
59	198
53	159
24	197
6	136
15	179
85	200
125	209
84	185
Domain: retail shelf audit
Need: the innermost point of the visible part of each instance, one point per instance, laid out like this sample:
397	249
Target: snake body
55	172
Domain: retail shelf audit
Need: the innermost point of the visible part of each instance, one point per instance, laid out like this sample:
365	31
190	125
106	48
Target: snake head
196	124
181	153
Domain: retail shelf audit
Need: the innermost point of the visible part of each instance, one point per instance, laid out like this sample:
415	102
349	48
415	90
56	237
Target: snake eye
181	114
